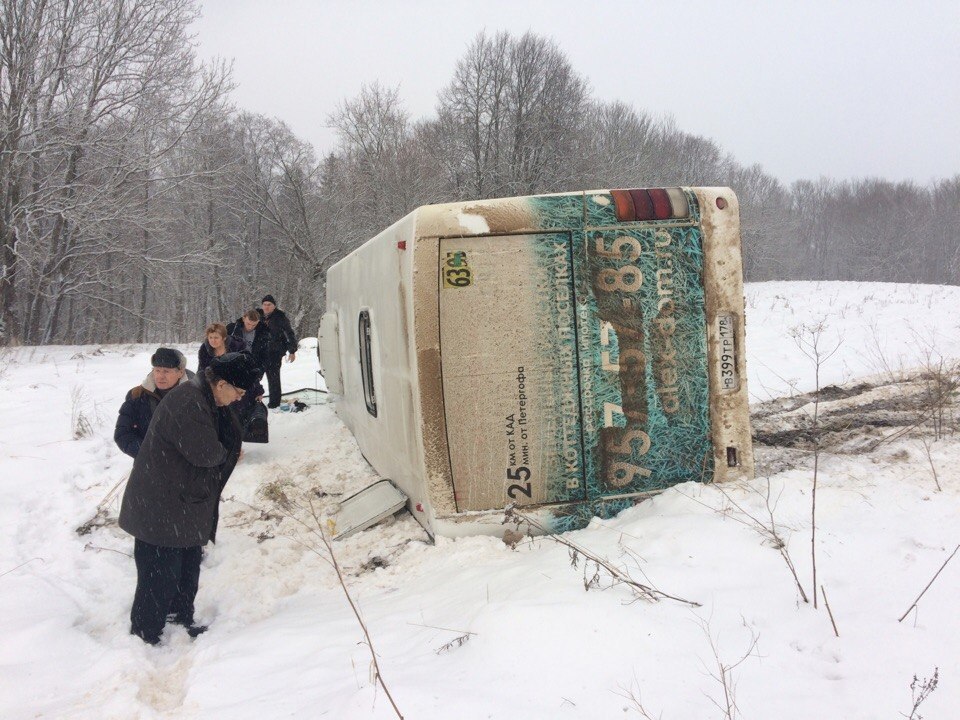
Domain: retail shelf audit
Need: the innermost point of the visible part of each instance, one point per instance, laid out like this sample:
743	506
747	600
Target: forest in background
138	204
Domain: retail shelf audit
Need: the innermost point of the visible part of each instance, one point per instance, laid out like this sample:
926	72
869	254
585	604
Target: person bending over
170	505
252	414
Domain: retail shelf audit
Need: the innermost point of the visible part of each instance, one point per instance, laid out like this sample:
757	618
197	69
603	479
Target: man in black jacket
282	341
170	505
169	370
254	334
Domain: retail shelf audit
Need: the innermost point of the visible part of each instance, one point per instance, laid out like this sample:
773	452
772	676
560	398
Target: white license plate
729	379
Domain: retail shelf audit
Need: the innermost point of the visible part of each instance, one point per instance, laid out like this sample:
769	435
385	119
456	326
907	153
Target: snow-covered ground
472	628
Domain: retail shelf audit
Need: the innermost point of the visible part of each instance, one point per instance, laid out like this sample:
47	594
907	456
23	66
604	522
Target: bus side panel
377	278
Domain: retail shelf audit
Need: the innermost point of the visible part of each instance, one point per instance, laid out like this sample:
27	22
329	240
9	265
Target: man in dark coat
282	341
170	505
169	370
251	336
254	334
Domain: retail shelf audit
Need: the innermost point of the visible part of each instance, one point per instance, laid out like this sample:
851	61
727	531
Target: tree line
138	204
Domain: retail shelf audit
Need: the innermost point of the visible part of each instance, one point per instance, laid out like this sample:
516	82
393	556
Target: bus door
508	344
643	357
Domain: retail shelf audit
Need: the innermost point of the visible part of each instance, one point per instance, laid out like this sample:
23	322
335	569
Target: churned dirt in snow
473	628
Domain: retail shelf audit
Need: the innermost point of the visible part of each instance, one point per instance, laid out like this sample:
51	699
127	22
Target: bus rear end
591	350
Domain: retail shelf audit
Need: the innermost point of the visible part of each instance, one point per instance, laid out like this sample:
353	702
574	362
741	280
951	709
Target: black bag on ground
255	428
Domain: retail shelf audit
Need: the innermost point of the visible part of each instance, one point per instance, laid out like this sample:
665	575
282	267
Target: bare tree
473	110
104	90
619	149
764	222
136	204
516	110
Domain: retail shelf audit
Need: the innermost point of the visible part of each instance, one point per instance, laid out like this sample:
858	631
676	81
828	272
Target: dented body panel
566	353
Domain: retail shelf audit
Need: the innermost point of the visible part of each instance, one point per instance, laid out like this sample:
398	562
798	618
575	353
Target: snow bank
470	628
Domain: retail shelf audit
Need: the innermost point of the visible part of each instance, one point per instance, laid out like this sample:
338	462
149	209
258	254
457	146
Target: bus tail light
650	204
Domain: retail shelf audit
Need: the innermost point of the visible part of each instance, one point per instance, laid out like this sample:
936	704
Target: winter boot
192	630
148	639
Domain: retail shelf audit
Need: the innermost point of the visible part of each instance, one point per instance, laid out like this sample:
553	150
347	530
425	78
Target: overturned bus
565	354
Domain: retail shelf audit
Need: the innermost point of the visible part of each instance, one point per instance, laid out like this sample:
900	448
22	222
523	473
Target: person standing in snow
282	341
169	370
254	334
170	504
217	343
253	416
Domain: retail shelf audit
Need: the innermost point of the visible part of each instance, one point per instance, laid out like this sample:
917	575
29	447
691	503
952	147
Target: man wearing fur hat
170	505
282	341
169	370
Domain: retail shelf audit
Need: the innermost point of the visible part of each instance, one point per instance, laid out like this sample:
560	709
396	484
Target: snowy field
471	628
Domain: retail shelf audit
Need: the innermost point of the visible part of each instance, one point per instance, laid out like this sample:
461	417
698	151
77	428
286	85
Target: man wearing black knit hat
170	505
282	341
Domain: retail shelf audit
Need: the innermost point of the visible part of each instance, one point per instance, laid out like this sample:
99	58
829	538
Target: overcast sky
846	89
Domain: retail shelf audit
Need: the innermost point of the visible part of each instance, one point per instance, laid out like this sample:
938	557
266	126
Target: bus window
366	363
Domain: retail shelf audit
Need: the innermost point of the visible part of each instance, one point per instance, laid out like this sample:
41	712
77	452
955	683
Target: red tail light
652	204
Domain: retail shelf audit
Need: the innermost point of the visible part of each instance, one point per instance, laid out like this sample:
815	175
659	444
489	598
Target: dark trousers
273	379
167	582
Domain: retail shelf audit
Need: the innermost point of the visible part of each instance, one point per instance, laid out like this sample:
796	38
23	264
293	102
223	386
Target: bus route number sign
456	270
